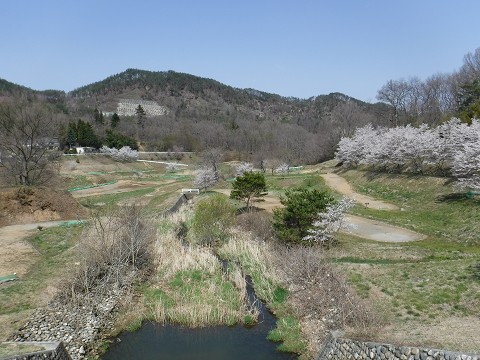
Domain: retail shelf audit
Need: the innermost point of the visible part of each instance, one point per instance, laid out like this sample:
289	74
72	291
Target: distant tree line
438	97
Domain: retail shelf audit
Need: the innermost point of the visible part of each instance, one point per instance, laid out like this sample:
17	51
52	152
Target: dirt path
362	227
341	185
16	254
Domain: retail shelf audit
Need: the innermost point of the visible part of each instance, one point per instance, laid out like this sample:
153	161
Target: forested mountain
162	111
10	89
169	110
203	113
179	90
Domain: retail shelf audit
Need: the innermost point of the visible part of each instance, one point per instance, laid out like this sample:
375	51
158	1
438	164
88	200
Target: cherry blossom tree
282	169
352	150
466	166
243	168
172	167
205	178
329	223
410	149
123	154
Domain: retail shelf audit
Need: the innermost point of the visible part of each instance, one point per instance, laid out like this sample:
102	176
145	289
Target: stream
162	342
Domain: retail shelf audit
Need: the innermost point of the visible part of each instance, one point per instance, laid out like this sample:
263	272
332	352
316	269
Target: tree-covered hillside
204	113
167	110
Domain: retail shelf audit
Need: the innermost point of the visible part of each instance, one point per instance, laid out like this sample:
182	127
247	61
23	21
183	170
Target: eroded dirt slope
24	205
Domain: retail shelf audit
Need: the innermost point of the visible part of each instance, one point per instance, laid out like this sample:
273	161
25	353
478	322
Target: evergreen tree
141	115
71	134
117	140
301	206
114	120
469	101
248	187
86	135
98	116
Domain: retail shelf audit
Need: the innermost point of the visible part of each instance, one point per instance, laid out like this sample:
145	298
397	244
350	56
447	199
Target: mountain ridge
132	75
196	113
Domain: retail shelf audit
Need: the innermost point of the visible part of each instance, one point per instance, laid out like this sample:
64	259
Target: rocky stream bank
79	324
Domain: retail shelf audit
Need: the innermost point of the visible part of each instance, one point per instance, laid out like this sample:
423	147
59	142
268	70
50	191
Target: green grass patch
426	206
53	245
289	331
80	181
196	298
362	286
280	295
423	280
358	260
113	199
91	186
283	182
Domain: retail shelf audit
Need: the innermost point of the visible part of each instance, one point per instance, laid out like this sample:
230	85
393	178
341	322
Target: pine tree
86	135
71	135
114	120
98	116
141	115
248	187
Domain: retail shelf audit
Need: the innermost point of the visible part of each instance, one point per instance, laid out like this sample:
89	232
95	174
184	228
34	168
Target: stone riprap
77	326
337	348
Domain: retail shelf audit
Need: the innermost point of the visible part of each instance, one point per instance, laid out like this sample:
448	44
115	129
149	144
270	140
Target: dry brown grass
190	287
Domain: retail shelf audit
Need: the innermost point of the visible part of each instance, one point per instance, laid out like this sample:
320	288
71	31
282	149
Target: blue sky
295	48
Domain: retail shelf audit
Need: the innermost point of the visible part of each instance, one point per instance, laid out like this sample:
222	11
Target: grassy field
56	258
420	283
413	285
420	288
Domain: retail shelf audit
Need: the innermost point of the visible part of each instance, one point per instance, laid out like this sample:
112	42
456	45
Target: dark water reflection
154	341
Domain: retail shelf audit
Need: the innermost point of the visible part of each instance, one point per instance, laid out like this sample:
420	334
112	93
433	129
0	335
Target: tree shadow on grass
453	197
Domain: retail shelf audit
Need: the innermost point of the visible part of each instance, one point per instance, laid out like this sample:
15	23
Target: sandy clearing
268	202
16	254
379	231
362	227
341	185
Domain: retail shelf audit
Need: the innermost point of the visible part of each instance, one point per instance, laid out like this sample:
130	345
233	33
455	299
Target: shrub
212	219
258	223
116	245
309	275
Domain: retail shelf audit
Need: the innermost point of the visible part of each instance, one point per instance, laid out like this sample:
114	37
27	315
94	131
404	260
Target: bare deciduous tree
112	249
211	158
470	69
27	141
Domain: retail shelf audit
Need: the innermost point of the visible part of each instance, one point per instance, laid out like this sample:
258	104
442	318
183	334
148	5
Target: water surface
169	342
154	341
